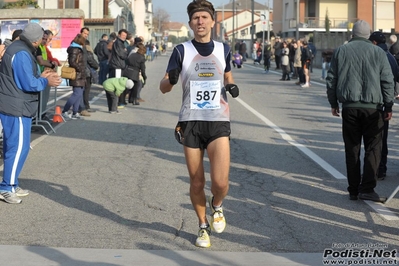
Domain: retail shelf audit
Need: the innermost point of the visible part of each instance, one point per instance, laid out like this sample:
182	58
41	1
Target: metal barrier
51	105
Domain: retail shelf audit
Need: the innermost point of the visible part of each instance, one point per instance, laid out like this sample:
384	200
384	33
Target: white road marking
379	208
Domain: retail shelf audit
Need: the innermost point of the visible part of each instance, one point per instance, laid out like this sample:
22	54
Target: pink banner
69	29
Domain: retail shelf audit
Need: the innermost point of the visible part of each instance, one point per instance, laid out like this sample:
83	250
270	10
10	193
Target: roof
243	4
99	20
174	25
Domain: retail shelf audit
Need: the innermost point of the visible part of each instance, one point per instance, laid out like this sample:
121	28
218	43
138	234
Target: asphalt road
113	189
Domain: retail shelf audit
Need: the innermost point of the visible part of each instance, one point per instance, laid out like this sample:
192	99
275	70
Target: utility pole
253	26
268	21
297	19
233	42
222	26
374	15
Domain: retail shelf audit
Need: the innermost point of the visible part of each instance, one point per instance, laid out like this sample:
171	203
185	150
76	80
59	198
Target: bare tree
160	19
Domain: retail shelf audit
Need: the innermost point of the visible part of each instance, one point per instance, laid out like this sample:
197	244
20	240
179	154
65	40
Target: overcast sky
177	9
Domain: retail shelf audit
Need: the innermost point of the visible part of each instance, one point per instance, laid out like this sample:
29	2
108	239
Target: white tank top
204	95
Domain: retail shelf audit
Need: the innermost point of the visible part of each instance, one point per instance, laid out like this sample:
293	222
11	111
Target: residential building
297	18
236	20
177	29
106	16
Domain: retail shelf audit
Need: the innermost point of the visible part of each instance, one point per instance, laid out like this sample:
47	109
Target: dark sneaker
381	175
352	196
372	196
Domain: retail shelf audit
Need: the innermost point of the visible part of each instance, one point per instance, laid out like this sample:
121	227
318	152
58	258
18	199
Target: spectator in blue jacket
20	84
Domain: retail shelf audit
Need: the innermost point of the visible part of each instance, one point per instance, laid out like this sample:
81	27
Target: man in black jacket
102	54
378	38
118	55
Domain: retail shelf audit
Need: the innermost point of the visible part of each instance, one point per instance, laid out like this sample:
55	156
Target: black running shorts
198	134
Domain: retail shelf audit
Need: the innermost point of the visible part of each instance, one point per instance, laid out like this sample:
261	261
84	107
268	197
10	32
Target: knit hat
33	32
129	84
378	37
361	29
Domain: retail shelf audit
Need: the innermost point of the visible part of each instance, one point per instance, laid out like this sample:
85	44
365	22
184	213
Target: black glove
174	76
233	90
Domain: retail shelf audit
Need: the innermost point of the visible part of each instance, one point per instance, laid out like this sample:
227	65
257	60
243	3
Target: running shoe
76	116
21	192
203	240
10	197
66	115
218	222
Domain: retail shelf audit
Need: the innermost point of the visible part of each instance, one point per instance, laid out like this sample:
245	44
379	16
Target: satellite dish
305	25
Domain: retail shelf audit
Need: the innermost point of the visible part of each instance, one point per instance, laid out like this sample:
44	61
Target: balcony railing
319	23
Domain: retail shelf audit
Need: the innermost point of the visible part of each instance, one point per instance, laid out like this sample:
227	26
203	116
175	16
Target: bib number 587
205	95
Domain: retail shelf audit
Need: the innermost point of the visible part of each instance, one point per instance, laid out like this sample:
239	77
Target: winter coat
135	64
360	77
268	52
101	50
92	63
116	85
284	56
118	55
297	58
278	46
76	60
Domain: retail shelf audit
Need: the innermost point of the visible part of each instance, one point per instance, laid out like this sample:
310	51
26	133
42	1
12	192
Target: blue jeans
325	66
74	100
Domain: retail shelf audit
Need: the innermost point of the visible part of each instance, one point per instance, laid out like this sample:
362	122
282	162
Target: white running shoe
66	115
218	222
203	240
21	192
10	197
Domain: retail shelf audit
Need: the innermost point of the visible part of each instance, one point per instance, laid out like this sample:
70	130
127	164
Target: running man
204	118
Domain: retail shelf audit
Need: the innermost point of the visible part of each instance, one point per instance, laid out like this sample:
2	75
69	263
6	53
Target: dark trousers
301	75
266	63
122	97
111	72
112	101
102	74
277	59
384	152
358	124
286	72
134	91
86	94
